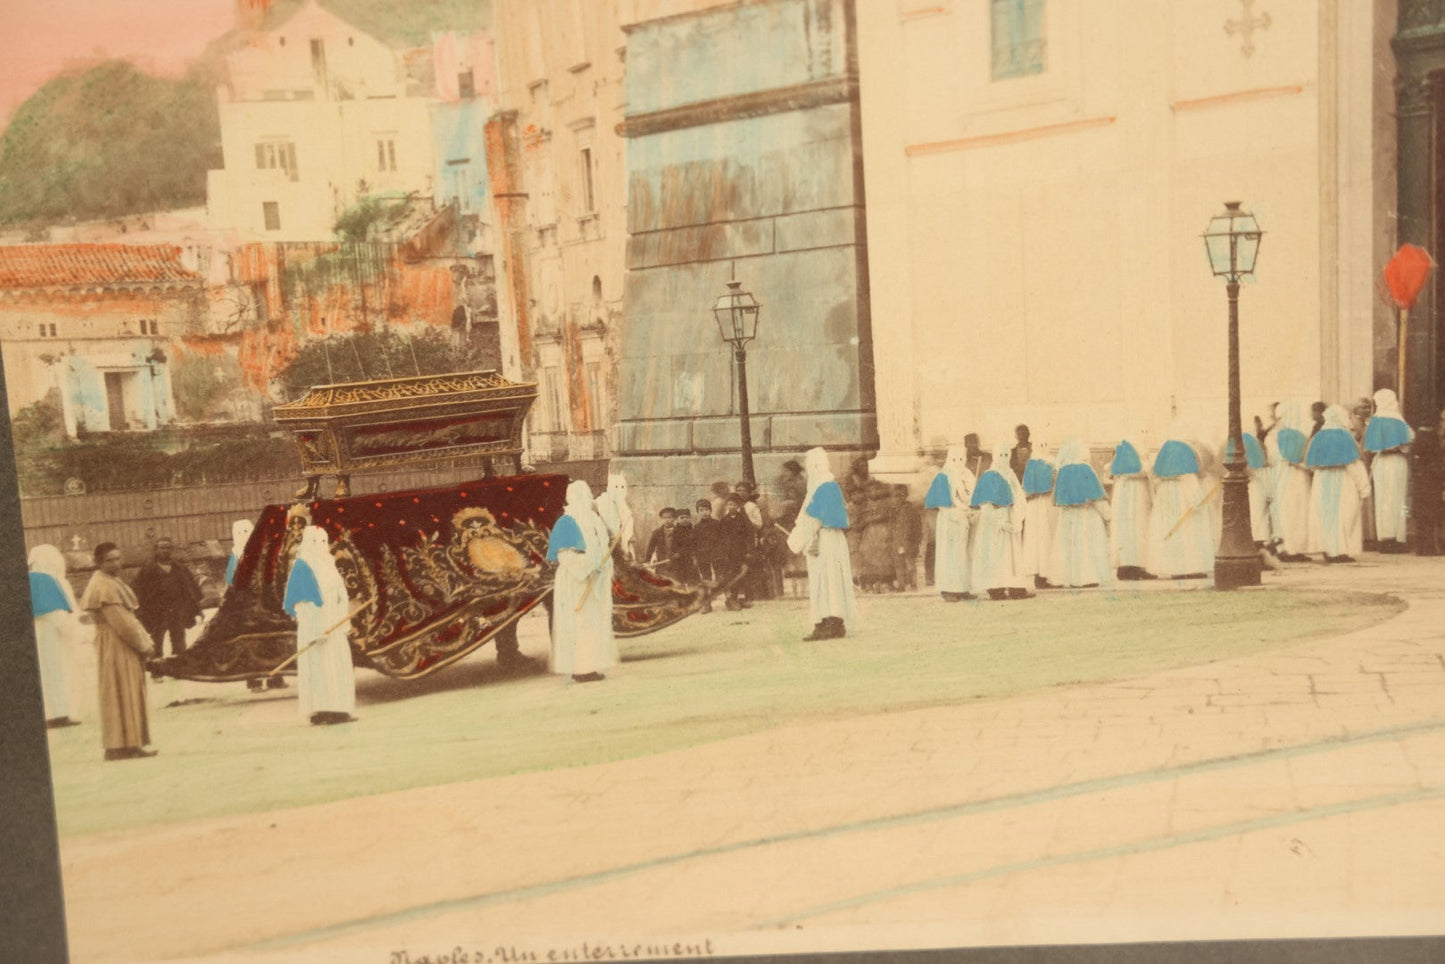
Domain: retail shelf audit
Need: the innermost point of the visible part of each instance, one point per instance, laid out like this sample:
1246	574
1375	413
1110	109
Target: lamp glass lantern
737	313
1232	243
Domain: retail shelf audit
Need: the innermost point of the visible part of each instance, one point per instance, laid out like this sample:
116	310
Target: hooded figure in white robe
56	614
1130	504
582	642
614	510
1292	481
316	596
1339	485
1256	469
241	531
999	498
1389	438
1081	542
950	494
1181	527
820	534
1211	483
1040	521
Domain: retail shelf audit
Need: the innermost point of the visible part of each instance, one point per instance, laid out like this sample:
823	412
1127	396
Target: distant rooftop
408	23
74	265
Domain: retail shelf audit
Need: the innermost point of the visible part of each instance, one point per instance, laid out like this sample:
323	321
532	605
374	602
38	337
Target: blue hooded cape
1384	433
46	596
992	489
1292	444
1078	484
1126	460
827	506
940	493
301	586
566	534
1038	477
1331	448
1253	451
1175	459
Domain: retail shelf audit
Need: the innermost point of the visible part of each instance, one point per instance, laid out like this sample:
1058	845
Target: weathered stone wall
743	154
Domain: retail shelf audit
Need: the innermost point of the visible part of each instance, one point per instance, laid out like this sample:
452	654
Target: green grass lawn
709	678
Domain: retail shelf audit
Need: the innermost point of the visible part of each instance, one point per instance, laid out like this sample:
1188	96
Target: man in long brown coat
121	643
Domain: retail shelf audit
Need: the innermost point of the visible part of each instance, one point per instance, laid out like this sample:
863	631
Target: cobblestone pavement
1295	793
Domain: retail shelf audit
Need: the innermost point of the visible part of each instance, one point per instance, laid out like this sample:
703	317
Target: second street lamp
1232	242
737	313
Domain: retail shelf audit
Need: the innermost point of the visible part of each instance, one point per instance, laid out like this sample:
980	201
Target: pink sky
37	37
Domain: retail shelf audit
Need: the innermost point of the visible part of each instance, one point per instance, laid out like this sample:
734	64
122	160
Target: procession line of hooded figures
1056	527
581	543
995	534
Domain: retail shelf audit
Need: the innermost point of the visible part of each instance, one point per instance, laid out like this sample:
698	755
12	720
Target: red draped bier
432	575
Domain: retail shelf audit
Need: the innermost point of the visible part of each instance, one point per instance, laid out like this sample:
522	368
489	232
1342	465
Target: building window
1019	47
589	202
459	183
47	330
271	211
594	394
552	384
318	61
385	152
278	156
466	85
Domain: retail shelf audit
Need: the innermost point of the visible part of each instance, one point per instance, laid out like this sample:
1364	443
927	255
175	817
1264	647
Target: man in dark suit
169	597
661	552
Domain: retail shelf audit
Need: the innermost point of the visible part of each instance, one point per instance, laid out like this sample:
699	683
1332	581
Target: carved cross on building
1246	26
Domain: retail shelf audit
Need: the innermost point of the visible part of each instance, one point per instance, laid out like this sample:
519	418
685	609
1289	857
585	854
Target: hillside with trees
109	141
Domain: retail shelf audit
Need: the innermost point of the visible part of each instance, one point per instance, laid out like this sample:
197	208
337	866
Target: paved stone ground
1295	793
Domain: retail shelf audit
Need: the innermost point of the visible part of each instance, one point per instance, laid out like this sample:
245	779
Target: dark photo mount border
32	914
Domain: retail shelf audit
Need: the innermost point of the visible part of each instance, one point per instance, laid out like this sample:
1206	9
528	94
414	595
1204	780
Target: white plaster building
560	189
1038	174
89	325
317	114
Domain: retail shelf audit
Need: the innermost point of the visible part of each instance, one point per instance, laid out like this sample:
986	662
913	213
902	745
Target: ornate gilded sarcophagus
432	574
394	422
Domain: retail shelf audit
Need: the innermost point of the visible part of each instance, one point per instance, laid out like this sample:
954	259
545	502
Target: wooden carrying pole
1404	341
326	632
592	576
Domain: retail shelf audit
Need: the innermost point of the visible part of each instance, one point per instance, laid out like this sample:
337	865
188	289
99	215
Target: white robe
996	549
1334	509
1129	534
617	516
325	678
1292	494
1190	549
951	570
1259	493
1036	541
582	640
830	571
1390	475
1081	547
1274	517
50	633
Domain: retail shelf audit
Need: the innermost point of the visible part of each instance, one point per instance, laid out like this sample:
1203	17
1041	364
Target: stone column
882	89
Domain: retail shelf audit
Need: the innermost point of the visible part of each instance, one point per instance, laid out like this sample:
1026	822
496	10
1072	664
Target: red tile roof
71	265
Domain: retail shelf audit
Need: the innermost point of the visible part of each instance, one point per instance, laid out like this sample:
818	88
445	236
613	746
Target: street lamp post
1232	242
737	313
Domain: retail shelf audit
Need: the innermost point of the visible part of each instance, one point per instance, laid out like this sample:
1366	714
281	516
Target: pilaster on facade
560	199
